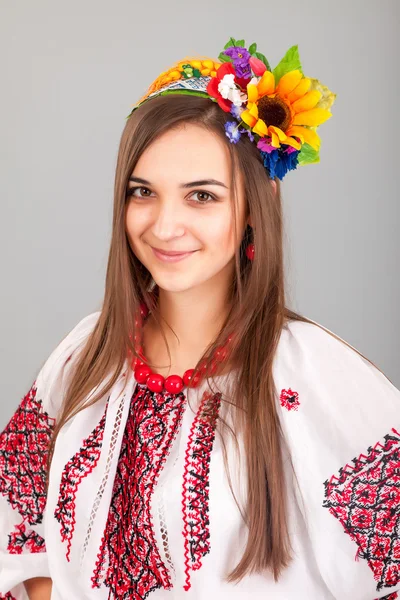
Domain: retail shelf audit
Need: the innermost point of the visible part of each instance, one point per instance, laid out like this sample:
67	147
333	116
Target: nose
168	221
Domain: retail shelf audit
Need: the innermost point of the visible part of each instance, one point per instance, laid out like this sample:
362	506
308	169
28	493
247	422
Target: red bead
191	378
203	366
213	366
142	373
144	311
221	353
155	382
137	362
174	384
187	376
250	251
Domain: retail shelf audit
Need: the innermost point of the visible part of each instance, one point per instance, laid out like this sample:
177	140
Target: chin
169	284
177	282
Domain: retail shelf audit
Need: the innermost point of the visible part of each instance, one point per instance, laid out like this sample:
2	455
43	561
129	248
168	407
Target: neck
195	316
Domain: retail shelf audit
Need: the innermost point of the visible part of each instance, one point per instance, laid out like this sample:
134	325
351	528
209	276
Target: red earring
250	251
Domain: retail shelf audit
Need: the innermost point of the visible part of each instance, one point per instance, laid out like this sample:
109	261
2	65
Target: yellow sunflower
292	109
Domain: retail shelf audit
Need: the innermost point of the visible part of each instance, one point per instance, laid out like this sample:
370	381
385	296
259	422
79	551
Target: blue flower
232	131
279	162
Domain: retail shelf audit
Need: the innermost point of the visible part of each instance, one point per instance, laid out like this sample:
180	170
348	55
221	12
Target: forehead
187	153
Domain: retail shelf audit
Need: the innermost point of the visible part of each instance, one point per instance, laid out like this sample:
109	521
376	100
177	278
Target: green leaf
290	62
263	59
253	49
185	93
224	58
240	43
308	155
231	42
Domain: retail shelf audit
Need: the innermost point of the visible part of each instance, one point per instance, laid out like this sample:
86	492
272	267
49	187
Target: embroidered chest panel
129	561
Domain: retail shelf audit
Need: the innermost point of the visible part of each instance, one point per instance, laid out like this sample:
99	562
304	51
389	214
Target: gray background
70	72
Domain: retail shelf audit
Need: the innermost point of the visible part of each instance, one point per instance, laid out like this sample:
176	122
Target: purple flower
290	150
236	111
232	131
265	146
241	58
248	131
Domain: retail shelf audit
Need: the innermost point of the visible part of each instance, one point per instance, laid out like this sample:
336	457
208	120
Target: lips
173	252
172	256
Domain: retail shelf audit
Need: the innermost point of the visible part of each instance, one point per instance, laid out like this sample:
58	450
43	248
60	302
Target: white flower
254	80
229	90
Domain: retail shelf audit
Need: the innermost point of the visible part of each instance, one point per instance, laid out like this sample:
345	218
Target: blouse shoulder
314	350
340	419
51	375
339	397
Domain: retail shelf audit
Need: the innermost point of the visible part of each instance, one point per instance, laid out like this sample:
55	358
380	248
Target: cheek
217	232
135	222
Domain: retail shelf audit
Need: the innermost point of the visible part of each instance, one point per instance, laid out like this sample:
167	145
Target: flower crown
279	109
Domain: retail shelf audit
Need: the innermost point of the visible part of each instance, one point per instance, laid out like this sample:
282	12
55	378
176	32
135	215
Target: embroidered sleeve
345	444
24	445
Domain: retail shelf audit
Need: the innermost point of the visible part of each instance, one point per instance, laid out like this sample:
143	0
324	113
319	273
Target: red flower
212	88
289	399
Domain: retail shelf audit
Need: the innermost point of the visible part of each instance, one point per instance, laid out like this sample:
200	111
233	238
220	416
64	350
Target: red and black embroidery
7	596
195	494
135	567
365	498
24	538
393	596
23	458
80	466
289	399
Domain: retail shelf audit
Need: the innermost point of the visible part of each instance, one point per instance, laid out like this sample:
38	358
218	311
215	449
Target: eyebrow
189	184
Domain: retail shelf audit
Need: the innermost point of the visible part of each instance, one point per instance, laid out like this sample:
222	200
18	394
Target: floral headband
279	109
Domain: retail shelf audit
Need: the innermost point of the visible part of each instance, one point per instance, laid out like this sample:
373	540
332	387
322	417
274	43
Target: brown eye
204	197
139	192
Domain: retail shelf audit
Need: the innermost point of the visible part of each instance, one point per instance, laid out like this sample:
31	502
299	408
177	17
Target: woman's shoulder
340	420
52	374
312	349
329	394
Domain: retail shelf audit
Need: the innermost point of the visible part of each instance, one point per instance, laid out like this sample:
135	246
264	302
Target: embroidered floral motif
80	466
393	596
24	538
365	498
23	458
135	567
289	399
7	596
196	484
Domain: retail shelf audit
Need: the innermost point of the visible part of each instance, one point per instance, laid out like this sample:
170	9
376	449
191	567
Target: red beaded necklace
173	383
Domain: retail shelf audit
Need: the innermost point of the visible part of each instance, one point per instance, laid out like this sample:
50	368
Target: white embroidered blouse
139	503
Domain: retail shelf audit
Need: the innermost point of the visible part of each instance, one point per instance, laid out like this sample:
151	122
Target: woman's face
180	200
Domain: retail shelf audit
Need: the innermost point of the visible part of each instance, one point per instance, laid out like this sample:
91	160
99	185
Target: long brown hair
257	315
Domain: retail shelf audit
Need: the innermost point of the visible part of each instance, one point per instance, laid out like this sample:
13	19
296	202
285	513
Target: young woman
195	438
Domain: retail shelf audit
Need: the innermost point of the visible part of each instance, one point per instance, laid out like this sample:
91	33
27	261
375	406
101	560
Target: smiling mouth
171	256
172	252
